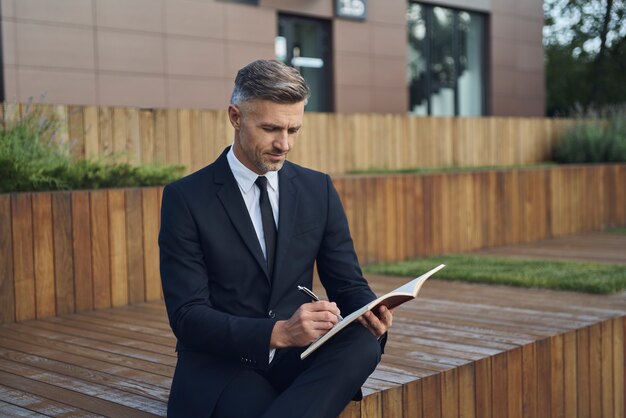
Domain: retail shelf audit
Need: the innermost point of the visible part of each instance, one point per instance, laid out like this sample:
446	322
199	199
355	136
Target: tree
585	53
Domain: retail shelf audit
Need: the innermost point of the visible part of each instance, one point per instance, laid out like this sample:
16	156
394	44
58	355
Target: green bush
32	159
597	137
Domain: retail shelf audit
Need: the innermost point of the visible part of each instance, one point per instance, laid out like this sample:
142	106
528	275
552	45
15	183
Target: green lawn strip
618	231
559	275
463	169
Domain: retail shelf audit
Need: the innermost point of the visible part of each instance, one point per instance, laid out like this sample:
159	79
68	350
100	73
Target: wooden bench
460	350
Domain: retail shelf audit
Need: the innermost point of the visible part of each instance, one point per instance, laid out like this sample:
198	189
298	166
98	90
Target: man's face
265	132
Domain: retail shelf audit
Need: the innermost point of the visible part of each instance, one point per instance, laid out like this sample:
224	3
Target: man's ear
234	115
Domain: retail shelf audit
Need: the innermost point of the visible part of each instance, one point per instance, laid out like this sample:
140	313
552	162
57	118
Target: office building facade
442	57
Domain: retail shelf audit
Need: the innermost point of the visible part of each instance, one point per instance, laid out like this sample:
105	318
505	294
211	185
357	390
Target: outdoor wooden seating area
460	350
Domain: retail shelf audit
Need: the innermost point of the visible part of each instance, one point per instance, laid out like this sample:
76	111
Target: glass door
305	43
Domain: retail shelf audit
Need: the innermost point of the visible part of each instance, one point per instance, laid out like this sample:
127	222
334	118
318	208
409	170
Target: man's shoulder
292	170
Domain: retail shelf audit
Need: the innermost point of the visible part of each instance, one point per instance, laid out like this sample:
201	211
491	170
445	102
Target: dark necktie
269	226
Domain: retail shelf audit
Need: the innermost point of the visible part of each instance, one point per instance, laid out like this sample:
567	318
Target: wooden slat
81	240
117	245
134	246
7	285
100	249
63	254
150	214
43	255
39	404
619	357
23	261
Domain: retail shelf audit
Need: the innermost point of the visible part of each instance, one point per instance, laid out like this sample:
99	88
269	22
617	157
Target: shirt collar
246	177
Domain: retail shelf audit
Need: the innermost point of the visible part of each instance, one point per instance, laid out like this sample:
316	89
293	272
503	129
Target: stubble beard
267	166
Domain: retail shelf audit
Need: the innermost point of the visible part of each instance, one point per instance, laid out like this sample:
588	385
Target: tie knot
261	181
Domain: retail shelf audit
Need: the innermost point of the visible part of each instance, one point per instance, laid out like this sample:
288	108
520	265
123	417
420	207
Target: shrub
597	137
32	159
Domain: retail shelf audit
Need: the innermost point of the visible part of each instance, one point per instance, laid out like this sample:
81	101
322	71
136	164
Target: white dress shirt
250	192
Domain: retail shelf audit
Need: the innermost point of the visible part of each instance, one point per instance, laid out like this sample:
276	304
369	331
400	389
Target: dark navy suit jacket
220	300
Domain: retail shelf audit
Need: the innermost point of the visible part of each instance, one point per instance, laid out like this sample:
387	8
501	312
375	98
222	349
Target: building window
306	44
446	61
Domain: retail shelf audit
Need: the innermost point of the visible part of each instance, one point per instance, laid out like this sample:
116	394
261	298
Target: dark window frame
456	48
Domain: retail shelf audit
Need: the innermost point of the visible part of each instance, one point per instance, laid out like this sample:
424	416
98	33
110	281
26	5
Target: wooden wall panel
7	283
81	241
63	252
412	395
557	377
332	143
100	249
150	214
431	396
43	255
134	246
23	259
117	245
619	371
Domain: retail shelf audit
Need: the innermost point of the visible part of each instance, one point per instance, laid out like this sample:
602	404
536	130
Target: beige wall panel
389	72
530	57
10	85
143	15
503	53
389	100
353	69
351	99
53	46
7	8
503	82
240	54
77	12
194	18
127	90
388	11
389	40
119	51
528	83
196	57
351	36
59	87
250	24
8	43
198	94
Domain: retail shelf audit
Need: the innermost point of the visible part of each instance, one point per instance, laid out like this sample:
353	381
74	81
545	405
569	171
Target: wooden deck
461	350
598	247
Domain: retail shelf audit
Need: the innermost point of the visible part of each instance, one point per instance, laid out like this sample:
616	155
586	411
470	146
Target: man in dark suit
237	238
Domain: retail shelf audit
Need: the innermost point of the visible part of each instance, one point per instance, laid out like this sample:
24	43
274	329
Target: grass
463	169
618	231
33	158
558	275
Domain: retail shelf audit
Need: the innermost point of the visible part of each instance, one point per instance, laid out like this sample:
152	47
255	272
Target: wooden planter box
64	252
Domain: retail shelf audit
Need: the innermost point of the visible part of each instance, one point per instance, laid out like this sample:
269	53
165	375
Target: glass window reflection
445	61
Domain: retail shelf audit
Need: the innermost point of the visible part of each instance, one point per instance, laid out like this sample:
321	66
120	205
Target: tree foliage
585	43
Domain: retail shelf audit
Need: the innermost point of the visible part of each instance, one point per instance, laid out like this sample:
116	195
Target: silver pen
313	296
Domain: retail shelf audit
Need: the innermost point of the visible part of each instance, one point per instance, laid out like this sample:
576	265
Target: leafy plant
598	137
33	159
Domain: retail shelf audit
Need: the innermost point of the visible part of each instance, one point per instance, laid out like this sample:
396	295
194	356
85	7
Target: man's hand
308	323
377	322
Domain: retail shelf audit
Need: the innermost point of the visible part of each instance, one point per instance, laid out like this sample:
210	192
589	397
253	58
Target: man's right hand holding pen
307	324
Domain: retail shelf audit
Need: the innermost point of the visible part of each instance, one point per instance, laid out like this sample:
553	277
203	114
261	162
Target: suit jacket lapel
287	207
235	207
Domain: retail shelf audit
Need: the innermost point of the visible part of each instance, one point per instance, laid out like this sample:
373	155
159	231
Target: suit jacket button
271	314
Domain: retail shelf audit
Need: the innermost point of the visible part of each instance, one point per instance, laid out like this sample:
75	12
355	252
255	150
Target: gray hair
269	80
